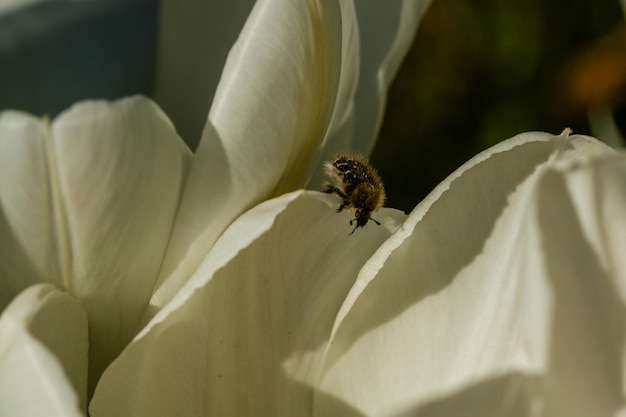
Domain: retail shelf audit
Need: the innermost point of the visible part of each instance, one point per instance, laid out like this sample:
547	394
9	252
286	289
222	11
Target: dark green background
479	72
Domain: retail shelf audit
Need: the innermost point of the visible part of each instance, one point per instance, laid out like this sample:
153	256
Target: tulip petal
88	203
28	251
43	354
371	59
340	132
575	247
269	117
445	316
277	93
119	169
247	332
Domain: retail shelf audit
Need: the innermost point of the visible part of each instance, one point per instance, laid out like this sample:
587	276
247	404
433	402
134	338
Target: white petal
248	330
340	132
202	215
277	93
28	252
575	246
43	354
194	39
444	317
373	50
119	169
268	119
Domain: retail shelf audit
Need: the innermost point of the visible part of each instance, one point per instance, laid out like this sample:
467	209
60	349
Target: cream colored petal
246	334
340	132
43	354
446	317
28	248
373	51
119	169
575	247
267	122
277	93
88	203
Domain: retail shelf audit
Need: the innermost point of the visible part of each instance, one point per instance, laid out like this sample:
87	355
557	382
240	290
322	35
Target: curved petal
248	331
446	309
277	93
88	204
28	250
117	169
372	57
43	354
268	119
575	247
194	40
341	128
200	218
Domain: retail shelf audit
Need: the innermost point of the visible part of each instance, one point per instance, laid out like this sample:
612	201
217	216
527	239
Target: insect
358	184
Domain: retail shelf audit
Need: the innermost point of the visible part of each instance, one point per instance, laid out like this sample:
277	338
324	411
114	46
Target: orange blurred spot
597	76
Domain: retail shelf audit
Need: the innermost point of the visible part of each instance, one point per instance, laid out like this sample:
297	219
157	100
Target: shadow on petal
514	395
586	354
450	236
17	271
207	207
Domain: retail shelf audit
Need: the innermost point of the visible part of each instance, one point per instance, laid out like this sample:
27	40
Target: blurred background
56	52
479	71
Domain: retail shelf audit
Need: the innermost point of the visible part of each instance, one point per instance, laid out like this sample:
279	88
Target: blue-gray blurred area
54	53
